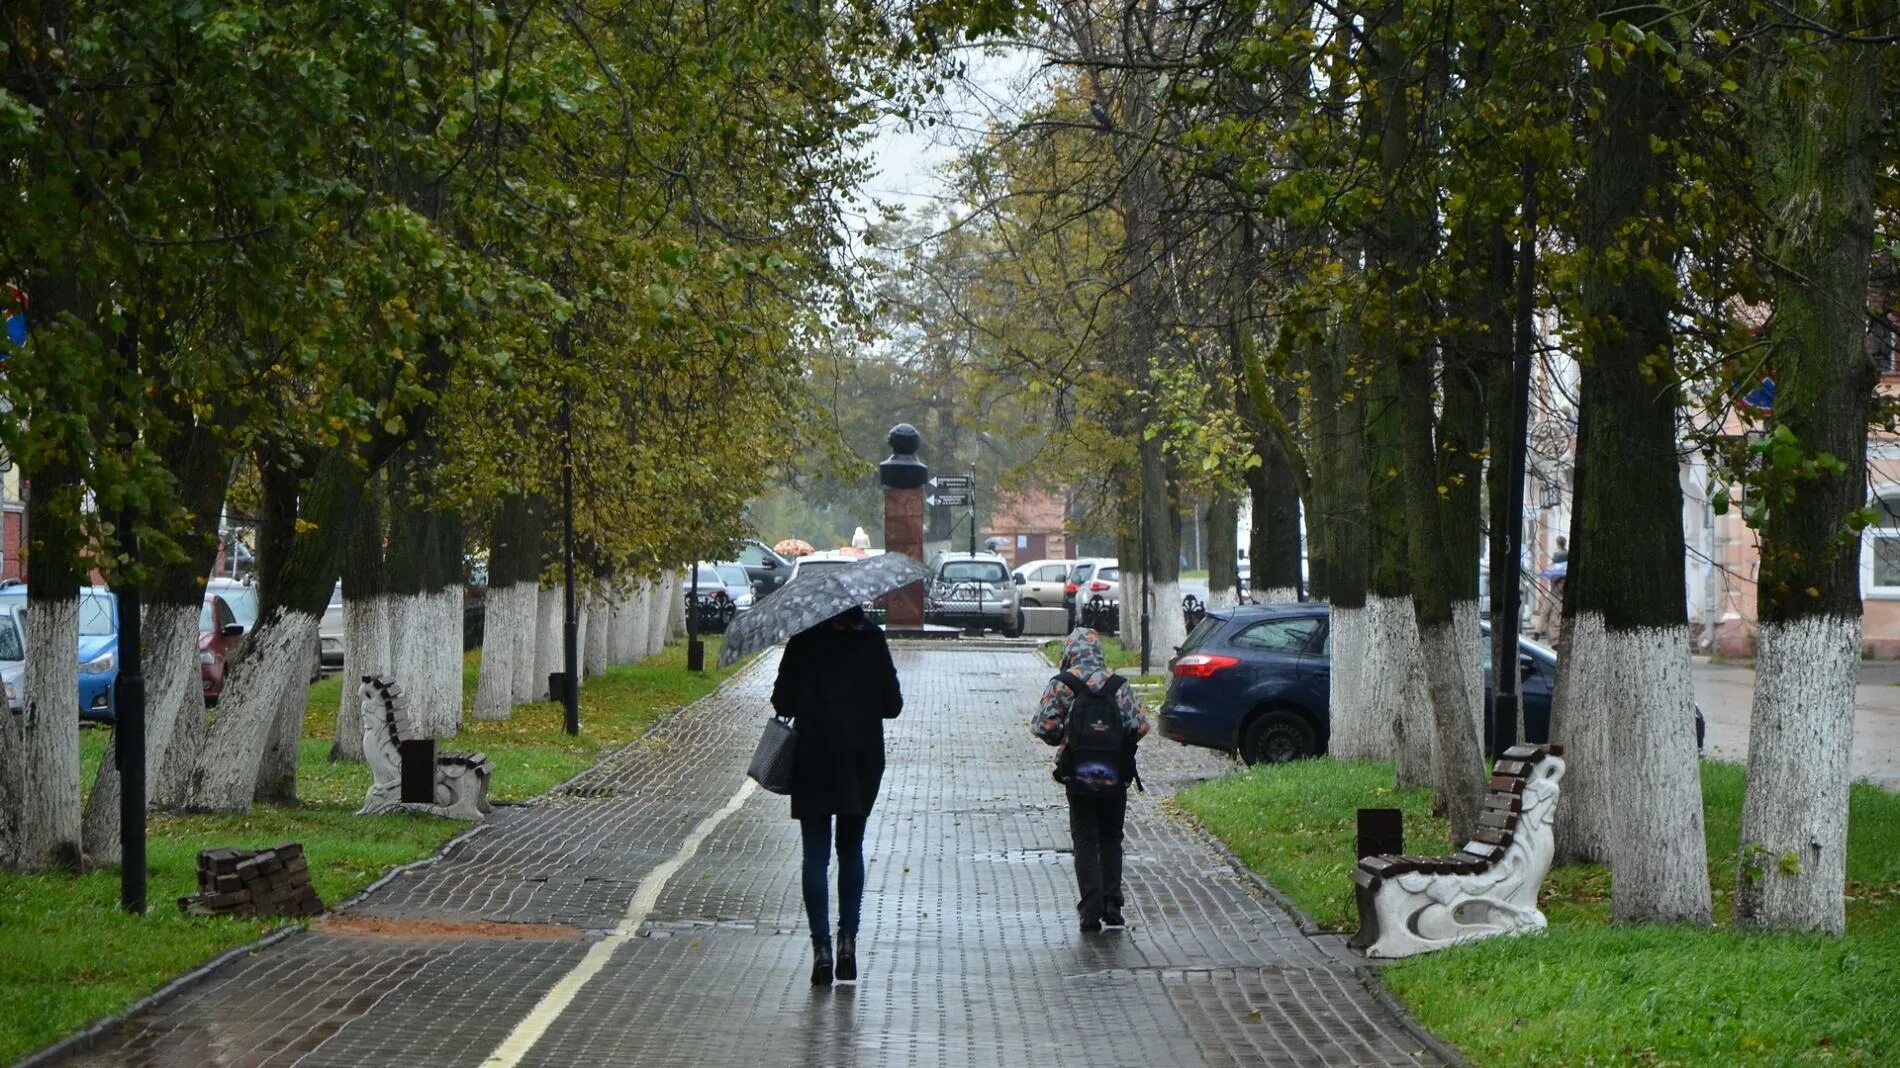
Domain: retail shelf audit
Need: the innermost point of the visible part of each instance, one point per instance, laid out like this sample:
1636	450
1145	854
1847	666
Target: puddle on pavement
1024	856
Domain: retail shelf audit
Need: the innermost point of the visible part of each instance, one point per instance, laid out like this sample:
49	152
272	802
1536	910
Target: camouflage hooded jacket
1082	657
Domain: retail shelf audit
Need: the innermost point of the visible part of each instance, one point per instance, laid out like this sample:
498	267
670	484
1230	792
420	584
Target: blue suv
1256	680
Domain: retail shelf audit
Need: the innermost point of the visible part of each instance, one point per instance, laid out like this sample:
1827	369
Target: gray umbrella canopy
809	600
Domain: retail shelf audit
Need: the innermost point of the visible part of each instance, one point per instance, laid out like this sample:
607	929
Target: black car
1256	681
767	569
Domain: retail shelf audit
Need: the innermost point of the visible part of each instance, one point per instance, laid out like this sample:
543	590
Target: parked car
98	647
219	636
1256	681
766	569
243	598
12	658
330	632
1043	583
973	590
1081	573
728	577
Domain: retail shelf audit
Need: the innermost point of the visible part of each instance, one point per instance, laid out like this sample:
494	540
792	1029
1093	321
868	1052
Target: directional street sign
952	482
951	500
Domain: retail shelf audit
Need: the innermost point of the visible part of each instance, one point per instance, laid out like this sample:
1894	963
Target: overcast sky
909	159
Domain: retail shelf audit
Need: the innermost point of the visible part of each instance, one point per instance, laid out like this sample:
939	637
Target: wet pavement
649	914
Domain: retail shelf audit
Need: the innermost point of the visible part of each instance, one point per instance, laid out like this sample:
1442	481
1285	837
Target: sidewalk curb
103	1027
1367	974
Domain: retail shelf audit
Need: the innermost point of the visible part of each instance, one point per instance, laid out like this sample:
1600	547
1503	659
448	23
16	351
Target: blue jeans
817	834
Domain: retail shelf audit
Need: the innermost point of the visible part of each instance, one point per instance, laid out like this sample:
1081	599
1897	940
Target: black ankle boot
847	958
821	963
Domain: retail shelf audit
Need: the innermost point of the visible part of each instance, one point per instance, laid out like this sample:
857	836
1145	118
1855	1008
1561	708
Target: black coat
838	686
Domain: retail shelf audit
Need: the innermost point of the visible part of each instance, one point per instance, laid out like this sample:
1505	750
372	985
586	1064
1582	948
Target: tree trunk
424	568
600	629
659	618
39	753
1817	138
366	648
1223	550
277	768
1273	543
276	654
1340	486
547	644
171	648
494	691
1625	567
172	602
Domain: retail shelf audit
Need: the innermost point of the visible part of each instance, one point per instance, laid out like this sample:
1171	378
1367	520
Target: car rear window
1109	574
1279	635
1201	632
973	571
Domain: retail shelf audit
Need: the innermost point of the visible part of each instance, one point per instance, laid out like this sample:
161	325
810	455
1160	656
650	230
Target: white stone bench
1410	905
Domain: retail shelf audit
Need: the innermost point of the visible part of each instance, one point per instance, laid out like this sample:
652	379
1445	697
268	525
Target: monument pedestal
903	477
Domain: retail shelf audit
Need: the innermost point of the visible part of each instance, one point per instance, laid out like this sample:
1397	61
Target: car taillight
1098	586
1070	587
1201	665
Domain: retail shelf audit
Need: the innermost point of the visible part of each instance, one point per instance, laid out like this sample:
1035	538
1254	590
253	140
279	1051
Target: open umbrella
810	599
793	547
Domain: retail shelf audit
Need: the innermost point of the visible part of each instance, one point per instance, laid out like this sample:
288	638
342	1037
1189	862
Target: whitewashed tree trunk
39	749
1395	688
630	636
174	677
1581	711
659	615
1359	733
548	637
1277	595
494	692
600	629
1659	857
1793	858
526	634
676	605
1169	623
448	663
425	643
1222	597
365	652
276	657
580	633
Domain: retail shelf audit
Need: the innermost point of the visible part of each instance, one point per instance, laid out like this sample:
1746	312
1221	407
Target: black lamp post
571	624
695	649
128	745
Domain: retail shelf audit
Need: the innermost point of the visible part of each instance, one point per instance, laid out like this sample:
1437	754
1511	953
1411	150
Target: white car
1042	582
330	631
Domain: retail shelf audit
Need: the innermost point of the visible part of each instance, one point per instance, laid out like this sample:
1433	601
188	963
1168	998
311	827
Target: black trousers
1095	825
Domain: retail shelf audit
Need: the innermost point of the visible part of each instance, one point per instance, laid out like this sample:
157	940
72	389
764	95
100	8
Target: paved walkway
669	929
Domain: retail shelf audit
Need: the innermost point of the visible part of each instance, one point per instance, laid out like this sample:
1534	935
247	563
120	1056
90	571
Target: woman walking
838	685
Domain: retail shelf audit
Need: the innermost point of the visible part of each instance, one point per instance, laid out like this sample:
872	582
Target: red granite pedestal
904	533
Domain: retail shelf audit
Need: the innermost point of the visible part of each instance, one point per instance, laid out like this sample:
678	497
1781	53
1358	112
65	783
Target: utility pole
128	741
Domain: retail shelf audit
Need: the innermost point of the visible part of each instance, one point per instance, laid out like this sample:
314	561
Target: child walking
1096	720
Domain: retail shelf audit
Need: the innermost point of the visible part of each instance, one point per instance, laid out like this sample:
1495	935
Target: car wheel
1015	628
1277	736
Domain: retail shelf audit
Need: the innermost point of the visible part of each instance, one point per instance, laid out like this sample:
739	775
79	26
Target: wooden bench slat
1524	752
1504	803
1504	821
1493	836
1517	769
1507	785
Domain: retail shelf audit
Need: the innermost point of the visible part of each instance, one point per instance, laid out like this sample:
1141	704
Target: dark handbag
772	761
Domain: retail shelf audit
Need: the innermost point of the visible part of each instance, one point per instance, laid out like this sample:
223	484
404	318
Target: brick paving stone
969	950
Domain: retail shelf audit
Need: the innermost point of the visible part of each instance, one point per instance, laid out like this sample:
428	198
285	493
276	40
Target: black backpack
1096	757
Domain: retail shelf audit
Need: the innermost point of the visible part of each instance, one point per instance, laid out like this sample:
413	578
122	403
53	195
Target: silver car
973	590
12	657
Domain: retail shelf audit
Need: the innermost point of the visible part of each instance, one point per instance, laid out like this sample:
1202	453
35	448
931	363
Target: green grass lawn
1587	992
69	956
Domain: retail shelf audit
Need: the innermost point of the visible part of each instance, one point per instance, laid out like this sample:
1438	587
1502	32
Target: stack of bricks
244	882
